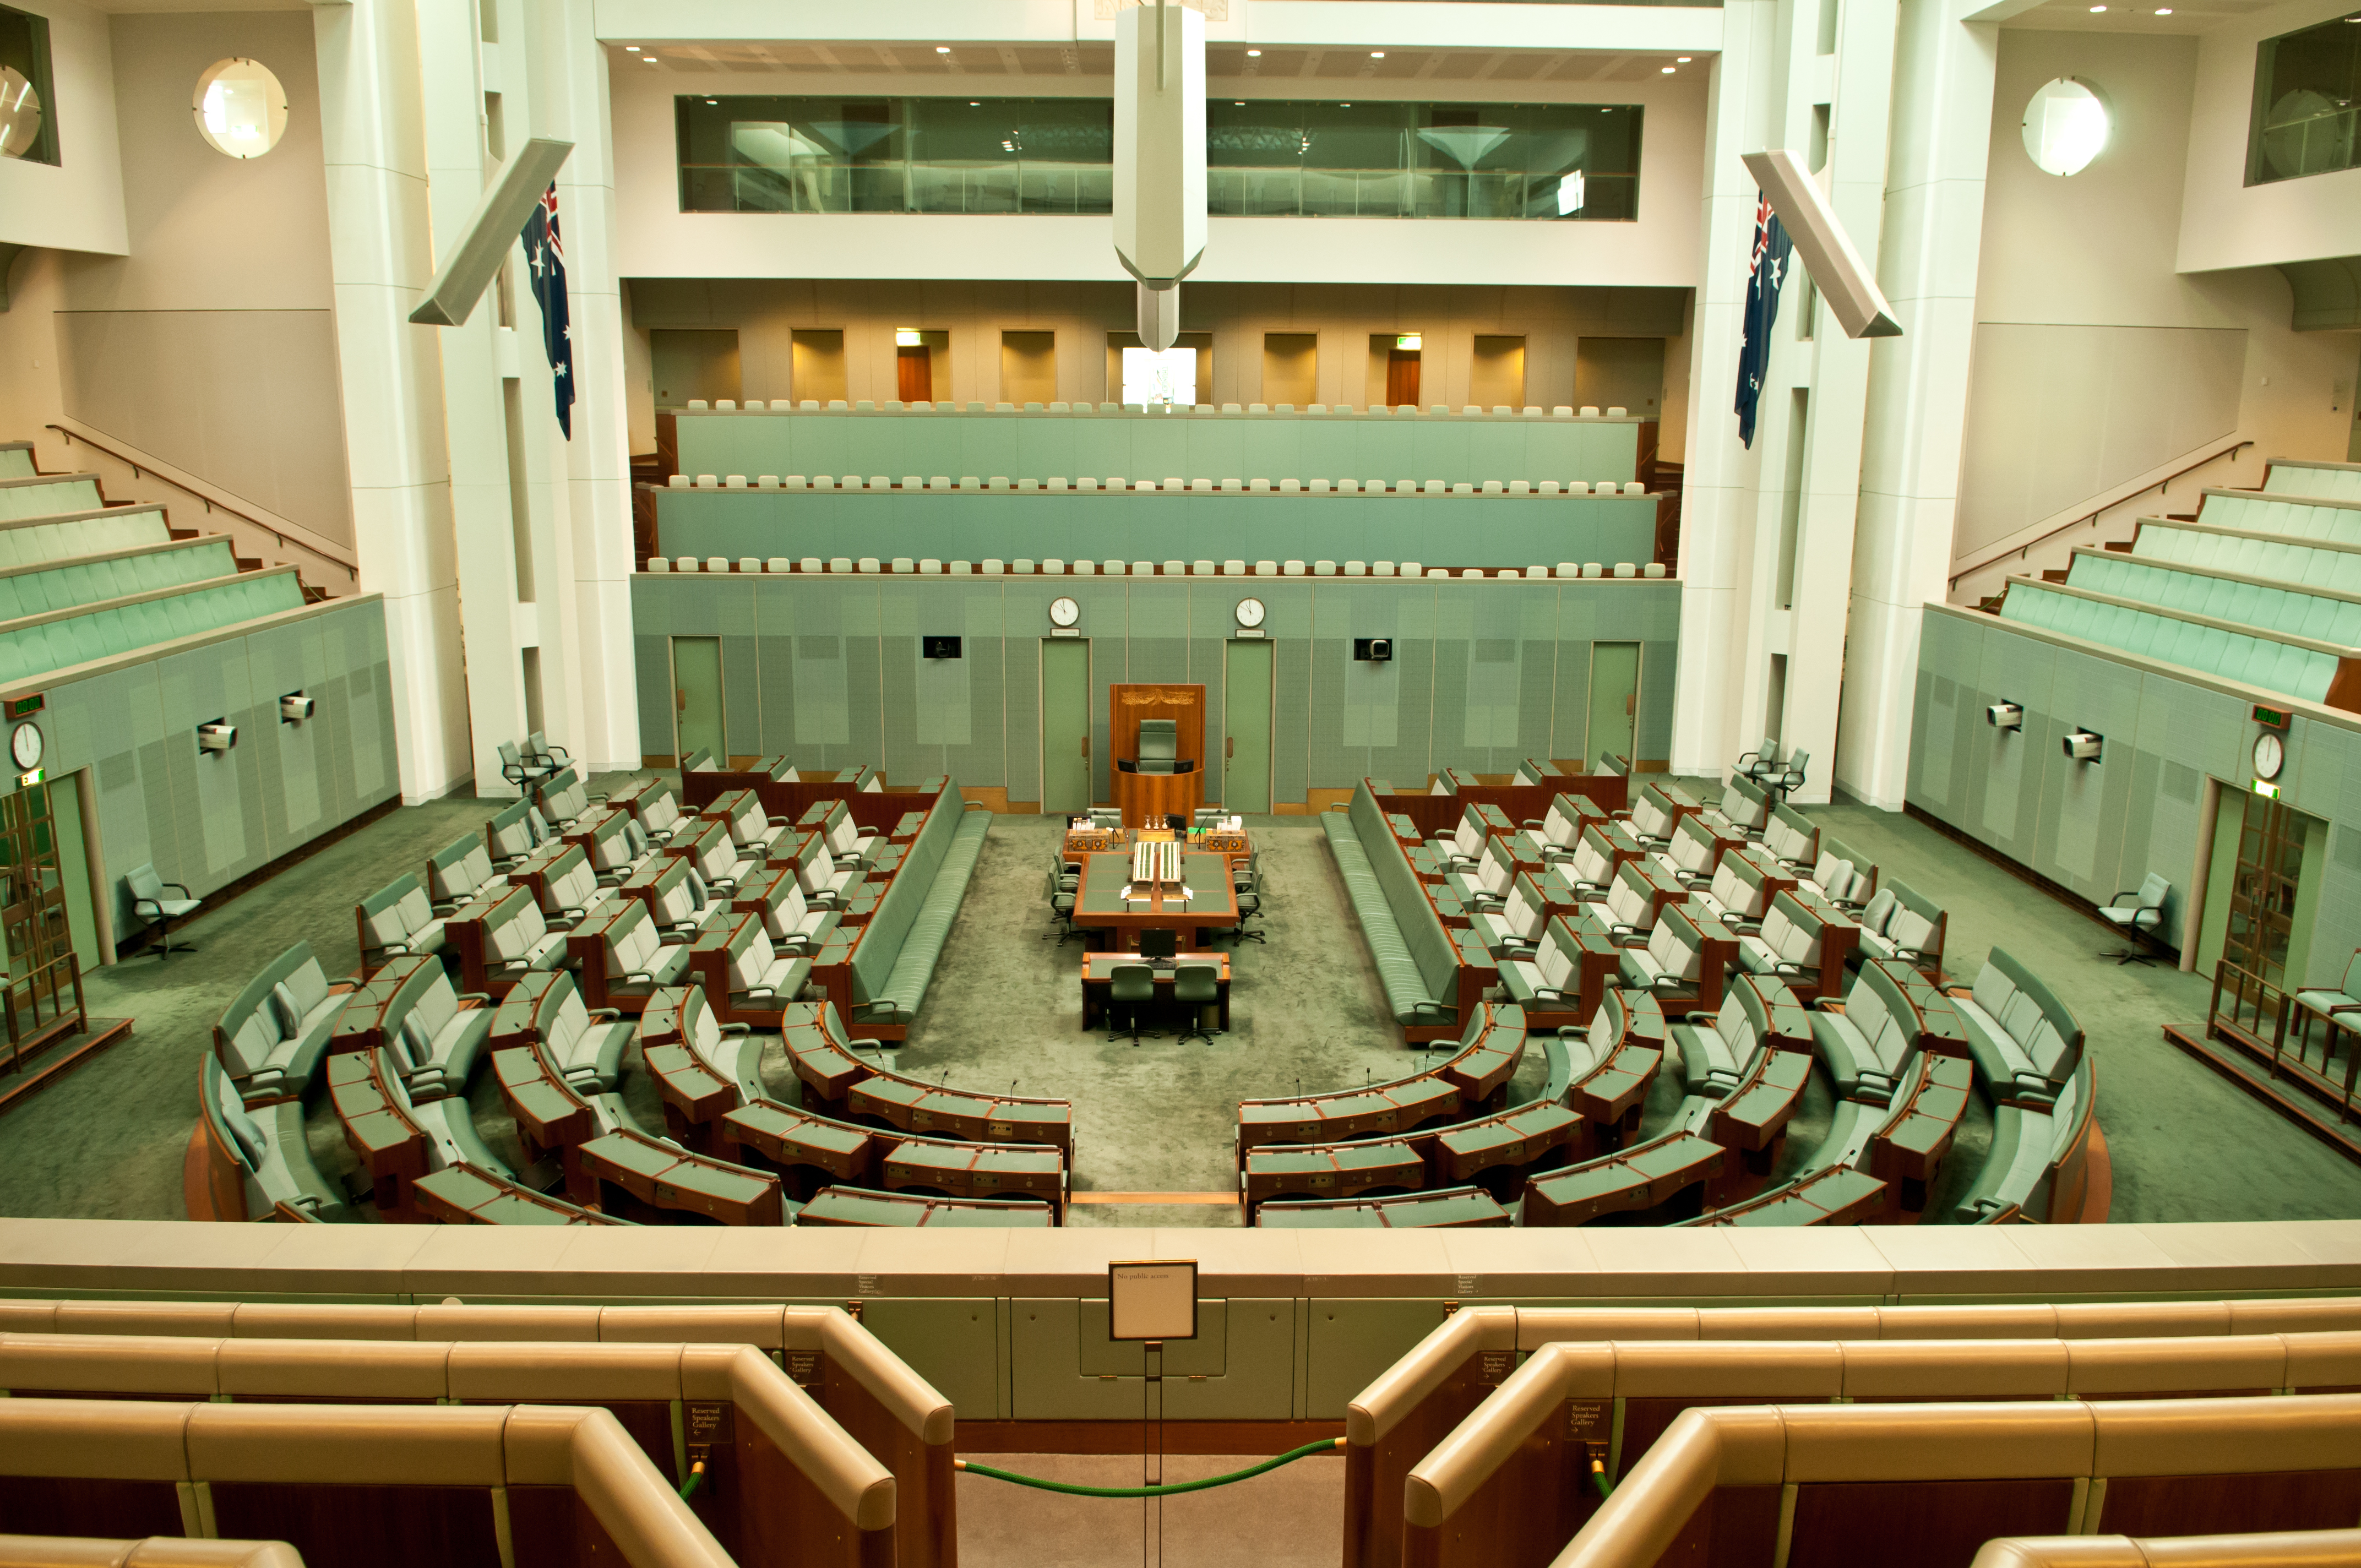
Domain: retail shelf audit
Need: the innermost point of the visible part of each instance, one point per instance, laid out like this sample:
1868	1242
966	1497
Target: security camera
2004	715
2081	746
218	736
1375	650
295	707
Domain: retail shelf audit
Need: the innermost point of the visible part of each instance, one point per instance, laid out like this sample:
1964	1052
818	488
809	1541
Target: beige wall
1240	317
212	345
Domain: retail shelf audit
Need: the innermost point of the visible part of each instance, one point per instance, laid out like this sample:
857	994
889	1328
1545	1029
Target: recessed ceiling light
631	48
713	100
1238	102
1377	54
1668	71
649	58
975	103
2164	11
1254	54
2096	9
942	49
1682	59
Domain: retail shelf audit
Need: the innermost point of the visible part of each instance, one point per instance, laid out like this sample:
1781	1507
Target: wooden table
465	1195
1099	903
1081	841
858	1206
1098	982
664	1176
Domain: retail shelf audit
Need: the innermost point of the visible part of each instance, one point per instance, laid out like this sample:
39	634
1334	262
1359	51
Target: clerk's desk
1159	737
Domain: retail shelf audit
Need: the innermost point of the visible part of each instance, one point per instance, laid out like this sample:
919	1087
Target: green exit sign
2271	718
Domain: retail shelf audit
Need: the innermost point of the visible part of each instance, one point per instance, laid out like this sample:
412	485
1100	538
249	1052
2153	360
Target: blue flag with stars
1767	270
545	253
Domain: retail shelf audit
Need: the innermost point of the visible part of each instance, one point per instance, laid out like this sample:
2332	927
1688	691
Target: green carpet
1004	1012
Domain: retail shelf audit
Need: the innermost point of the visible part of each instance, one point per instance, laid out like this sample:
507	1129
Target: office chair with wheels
1249	906
148	900
1061	909
1067	874
1132	987
1195	987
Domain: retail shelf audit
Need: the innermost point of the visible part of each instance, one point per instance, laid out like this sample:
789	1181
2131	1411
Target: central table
1098	980
1211	900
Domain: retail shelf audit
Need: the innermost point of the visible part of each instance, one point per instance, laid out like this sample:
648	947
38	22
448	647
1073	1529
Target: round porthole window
2066	126
240	107
20	114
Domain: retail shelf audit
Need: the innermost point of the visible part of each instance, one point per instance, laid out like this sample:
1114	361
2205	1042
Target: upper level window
1263	158
28	128
2307	92
240	109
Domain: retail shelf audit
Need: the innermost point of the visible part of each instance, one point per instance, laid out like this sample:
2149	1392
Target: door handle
680	700
1629	699
1229	747
1086	745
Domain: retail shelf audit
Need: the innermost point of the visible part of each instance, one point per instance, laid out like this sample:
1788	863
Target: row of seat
2319	517
941	483
2331	568
2253	656
1650	570
866	405
2323	616
47	495
58	640
49	538
136	568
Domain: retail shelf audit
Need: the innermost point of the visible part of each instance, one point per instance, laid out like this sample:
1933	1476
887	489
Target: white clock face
2269	756
1064	613
25	745
1250	612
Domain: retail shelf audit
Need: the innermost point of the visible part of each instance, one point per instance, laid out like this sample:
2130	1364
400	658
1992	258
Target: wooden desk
844	1084
1098	903
1637	1180
1458	1206
859	1206
466	1195
1342	1170
550	1115
1098	981
1151	797
361	1025
1081	841
379	1131
666	1177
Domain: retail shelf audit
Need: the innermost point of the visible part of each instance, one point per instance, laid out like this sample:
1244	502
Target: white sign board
1152	1301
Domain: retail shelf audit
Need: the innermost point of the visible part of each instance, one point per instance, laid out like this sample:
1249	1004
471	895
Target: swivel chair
1195	988
1131	987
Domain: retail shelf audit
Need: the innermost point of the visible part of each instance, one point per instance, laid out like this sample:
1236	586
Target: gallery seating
2025	1040
1901	923
458	871
396	919
1890	1015
270	1037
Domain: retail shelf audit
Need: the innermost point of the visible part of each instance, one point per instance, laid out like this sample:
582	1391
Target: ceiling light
1254	54
2164	11
649	58
975	103
1238	102
942	49
631	48
1681	58
1377	54
1668	71
713	100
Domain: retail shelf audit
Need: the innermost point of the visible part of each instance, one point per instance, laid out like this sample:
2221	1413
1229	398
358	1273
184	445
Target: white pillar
1910	464
454	113
382	257
588	591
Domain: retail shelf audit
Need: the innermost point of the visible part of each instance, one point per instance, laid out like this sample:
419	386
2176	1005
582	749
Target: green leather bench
1416	960
894	961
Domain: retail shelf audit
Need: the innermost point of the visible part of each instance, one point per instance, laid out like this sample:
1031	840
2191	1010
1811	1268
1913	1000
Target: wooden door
913	374
1401	377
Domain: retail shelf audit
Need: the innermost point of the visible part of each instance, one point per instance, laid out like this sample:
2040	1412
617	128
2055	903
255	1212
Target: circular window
2066	126
240	107
20	114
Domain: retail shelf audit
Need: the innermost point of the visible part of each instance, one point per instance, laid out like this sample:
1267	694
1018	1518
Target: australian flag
1767	270
545	253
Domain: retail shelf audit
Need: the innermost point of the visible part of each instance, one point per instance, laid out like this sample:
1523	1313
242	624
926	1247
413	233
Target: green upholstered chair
2137	915
1195	987
1249	906
1067	873
2342	1005
149	902
1061	908
1132	990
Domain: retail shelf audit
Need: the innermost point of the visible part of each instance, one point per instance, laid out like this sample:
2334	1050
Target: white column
1718	492
589	590
382	258
1910	464
1859	97
451	32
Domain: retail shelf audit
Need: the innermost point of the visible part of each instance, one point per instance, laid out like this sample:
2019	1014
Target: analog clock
2270	755
25	745
1250	613
1064	613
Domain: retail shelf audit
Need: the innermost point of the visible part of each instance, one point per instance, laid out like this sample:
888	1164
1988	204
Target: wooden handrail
143	466
2092	516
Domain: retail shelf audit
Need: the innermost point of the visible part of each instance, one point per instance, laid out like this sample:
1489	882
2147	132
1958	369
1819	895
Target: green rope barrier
1598	1478
695	1479
1325	1446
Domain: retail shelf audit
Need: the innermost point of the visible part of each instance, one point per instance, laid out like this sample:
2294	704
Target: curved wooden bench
844	1085
666	1176
787	1137
860	1206
1476	1077
469	1195
1459	1207
1645	1177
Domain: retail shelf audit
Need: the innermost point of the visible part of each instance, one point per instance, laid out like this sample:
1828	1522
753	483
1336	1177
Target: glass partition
2307	93
1264	158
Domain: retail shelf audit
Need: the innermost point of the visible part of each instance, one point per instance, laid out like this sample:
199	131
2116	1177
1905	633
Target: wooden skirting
1127	1437
2305	1111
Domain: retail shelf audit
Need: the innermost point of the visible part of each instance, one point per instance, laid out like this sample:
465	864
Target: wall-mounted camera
1374	650
2081	746
2004	715
218	736
939	647
295	707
